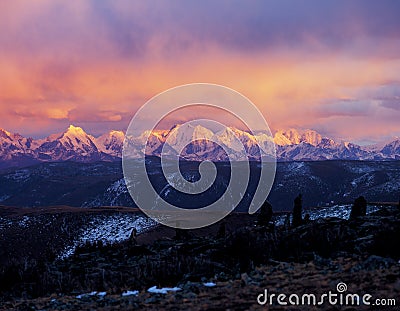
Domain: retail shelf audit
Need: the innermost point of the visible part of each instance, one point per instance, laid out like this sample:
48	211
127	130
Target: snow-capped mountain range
75	144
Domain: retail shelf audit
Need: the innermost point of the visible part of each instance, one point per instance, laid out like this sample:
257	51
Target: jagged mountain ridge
75	144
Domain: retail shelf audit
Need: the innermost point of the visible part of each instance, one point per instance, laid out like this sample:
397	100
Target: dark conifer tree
287	222
359	208
297	209
265	215
221	230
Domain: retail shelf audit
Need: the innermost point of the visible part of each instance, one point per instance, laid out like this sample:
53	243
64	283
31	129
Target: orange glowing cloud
95	64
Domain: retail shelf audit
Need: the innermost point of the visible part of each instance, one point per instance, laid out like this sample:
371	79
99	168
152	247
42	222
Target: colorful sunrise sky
333	66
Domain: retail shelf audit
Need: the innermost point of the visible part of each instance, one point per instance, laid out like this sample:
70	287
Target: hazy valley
102	183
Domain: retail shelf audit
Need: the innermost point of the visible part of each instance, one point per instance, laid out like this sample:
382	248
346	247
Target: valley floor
208	272
374	275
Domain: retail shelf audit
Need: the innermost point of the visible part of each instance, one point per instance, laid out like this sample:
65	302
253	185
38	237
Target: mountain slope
111	143
102	184
74	144
392	149
15	150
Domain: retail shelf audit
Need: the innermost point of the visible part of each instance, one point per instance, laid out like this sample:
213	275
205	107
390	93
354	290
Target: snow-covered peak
76	137
327	143
150	135
118	134
281	140
73	144
346	144
5	134
288	137
311	137
200	132
12	145
111	143
71	136
11	136
295	137
229	138
181	135
392	149
111	135
75	131
194	131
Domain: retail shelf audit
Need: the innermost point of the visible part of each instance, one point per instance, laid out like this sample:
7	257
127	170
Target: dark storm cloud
391	103
245	25
344	108
129	26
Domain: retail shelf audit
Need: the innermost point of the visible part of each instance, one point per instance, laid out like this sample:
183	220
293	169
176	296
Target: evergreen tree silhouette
265	215
221	230
287	222
297	209
359	208
132	237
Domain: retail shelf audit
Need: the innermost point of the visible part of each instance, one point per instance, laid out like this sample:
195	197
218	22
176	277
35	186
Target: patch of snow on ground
20	175
297	167
115	228
130	293
340	211
5	223
86	295
109	229
24	222
111	196
163	290
209	284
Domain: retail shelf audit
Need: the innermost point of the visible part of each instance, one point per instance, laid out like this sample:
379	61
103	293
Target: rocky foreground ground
219	273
